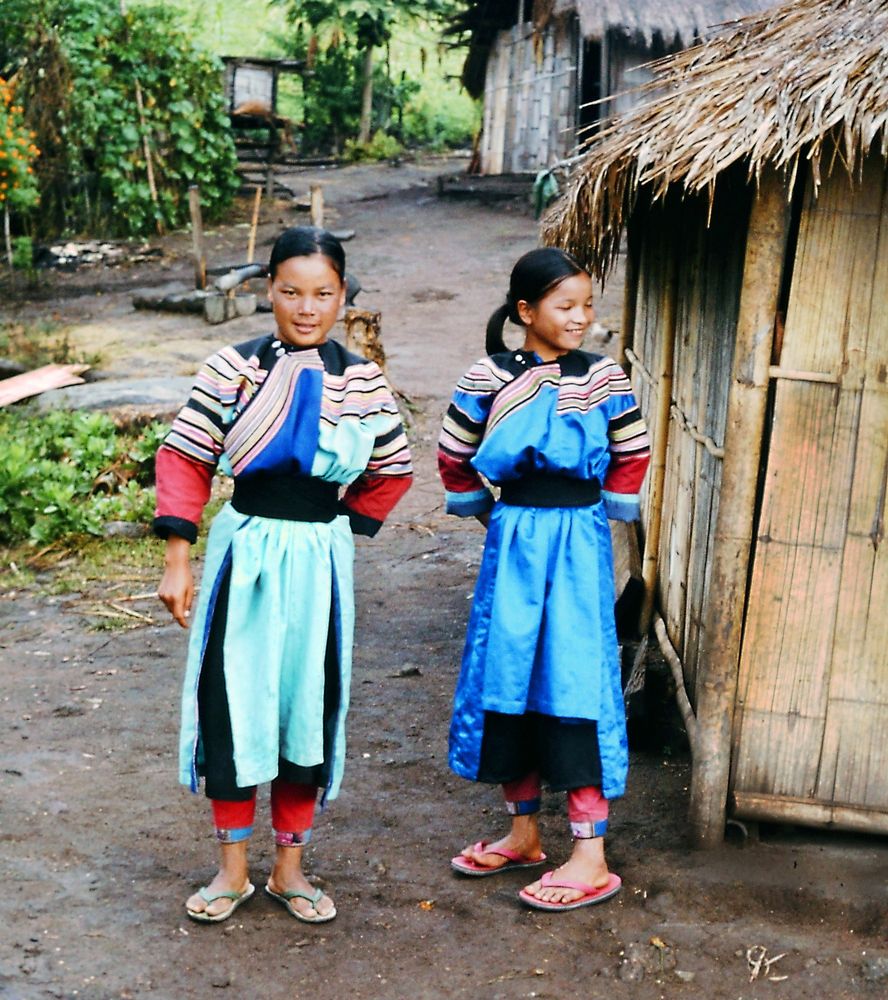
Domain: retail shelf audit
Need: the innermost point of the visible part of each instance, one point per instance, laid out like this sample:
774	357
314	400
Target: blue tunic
541	635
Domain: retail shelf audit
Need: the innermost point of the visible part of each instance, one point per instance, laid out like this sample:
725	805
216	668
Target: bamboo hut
751	188
548	69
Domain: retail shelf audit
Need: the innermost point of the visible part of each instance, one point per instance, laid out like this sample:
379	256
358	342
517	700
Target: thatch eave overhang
804	83
676	23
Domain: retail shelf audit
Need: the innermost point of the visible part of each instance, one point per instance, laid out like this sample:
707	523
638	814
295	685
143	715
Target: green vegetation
416	96
65	473
126	113
36	344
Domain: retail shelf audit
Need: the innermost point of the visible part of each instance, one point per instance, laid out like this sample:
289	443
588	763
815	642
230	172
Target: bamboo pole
197	238
681	693
661	442
254	224
316	210
732	543
630	301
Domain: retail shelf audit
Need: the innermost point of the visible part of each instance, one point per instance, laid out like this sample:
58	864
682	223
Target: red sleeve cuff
374	497
183	487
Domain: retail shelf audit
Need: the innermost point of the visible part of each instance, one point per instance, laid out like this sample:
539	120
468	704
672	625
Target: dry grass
804	82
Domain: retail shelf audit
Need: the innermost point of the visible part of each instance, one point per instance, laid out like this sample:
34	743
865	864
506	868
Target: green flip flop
285	899
201	916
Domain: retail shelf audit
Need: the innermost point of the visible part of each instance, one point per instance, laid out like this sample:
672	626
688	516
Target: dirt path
100	847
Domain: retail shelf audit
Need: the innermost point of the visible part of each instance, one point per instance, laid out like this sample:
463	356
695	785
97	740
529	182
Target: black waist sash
550	490
286	498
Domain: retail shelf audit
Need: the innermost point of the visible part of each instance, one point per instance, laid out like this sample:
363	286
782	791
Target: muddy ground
100	847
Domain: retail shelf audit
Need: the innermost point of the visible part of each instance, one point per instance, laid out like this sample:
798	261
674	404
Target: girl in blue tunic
313	439
558	433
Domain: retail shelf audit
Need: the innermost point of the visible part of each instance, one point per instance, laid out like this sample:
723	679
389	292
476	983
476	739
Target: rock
219	308
874	970
68	711
151	396
685	977
663	904
124	529
408	670
631	972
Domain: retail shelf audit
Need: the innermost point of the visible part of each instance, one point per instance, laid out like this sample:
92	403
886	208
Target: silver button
280	352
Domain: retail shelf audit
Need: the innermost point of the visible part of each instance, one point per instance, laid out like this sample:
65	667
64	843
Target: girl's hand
176	588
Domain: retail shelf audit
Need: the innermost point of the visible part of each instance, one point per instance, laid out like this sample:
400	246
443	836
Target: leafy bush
69	473
18	185
118	101
380	147
440	123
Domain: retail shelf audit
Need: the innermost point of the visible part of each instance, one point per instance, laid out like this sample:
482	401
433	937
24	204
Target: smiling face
306	295
557	322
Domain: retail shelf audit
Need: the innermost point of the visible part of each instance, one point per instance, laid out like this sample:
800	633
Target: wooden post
630	300
363	333
661	441
7	236
747	402
197	238
316	211
254	224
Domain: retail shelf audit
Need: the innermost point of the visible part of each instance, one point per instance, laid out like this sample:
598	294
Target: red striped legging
587	808
292	813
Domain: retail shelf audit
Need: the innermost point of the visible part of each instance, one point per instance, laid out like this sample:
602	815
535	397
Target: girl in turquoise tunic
558	431
312	436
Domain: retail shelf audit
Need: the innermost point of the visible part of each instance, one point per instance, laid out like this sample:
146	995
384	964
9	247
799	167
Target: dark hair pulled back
534	275
304	241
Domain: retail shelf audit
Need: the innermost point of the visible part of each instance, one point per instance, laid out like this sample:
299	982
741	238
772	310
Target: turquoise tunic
267	412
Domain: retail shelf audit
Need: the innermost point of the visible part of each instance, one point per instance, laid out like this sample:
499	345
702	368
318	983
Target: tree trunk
366	97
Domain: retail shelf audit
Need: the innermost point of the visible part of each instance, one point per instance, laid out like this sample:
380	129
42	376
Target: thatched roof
805	81
675	21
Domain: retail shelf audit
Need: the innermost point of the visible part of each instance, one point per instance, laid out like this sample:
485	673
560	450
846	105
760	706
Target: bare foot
586	865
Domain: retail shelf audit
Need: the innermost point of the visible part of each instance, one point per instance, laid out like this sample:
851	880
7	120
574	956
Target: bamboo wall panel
530	104
496	105
709	280
812	707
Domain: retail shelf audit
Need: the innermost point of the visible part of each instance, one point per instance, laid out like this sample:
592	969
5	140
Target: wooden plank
835	252
787	647
806	486
807	812
857	754
784	770
717	684
816	633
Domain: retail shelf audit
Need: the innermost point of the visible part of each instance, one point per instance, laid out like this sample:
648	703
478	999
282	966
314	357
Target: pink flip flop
465	866
591	894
